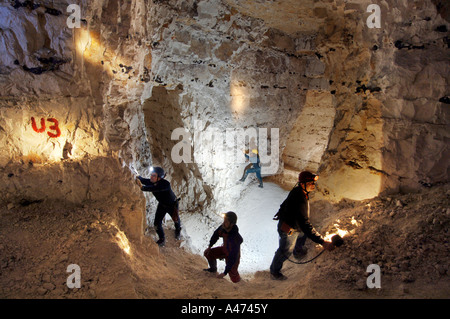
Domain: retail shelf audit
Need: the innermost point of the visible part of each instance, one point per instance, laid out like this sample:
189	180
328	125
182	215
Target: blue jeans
283	252
253	170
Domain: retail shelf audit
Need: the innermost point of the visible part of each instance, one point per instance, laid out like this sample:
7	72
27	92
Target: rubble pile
406	235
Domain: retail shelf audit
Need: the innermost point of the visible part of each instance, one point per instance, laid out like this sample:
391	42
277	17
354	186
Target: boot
178	233
160	233
278	276
161	242
212	266
211	270
301	253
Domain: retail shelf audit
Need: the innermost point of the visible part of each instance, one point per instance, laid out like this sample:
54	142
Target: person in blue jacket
230	250
167	201
253	167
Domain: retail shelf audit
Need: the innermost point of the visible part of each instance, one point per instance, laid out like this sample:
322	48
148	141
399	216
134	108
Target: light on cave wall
358	173
354	184
90	48
239	98
121	239
45	139
42	139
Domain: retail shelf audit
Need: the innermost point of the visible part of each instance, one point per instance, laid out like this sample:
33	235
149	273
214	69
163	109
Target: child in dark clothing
230	250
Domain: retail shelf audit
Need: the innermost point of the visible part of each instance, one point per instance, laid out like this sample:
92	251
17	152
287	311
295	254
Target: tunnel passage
163	115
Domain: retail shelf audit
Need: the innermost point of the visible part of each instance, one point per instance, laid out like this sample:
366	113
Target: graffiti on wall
53	130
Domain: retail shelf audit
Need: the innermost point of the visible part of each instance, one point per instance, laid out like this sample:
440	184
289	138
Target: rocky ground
406	235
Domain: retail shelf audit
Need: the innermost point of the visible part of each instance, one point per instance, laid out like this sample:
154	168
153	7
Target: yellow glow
51	137
339	230
39	147
239	98
88	45
122	240
36	146
355	184
91	49
354	221
83	40
358	173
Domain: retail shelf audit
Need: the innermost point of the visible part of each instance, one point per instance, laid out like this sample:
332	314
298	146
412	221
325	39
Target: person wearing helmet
167	201
230	250
253	167
294	224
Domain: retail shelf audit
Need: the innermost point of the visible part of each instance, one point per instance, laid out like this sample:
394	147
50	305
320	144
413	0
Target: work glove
328	245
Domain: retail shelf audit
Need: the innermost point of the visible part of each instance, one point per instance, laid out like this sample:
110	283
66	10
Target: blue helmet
159	171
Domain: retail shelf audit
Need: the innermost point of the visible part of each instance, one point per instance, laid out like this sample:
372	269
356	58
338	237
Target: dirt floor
406	235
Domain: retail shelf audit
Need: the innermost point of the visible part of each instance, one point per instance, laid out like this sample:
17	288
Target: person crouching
230	250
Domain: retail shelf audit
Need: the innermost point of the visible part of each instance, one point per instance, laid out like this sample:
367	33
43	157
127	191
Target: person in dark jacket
167	201
230	250
253	167
294	224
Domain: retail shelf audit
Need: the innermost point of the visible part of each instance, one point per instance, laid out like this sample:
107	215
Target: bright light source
340	231
354	221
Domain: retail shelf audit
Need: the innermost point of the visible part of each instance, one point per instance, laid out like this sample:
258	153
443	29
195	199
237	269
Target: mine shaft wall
78	104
